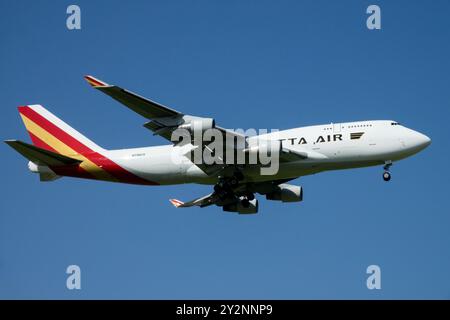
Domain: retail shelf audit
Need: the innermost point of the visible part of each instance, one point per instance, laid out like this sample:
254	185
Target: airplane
58	150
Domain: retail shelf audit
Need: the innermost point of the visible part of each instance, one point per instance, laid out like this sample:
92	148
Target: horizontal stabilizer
41	156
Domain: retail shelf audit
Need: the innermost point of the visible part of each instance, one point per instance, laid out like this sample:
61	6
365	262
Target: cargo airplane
58	150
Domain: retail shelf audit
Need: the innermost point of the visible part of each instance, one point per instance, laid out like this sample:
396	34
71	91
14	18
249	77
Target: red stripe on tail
108	165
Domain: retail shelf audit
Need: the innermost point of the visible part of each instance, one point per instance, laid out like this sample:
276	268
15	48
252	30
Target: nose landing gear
387	173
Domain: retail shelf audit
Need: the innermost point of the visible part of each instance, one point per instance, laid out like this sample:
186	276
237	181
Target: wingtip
176	203
94	82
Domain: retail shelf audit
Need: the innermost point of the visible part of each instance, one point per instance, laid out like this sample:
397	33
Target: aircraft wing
145	107
164	120
215	198
201	202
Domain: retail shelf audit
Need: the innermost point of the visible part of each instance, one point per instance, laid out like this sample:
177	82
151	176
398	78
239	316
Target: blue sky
248	64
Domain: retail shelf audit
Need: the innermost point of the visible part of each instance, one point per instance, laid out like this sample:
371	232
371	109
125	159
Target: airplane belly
388	149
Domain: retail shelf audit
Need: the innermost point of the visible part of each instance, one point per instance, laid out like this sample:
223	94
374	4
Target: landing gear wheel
386	176
250	196
234	181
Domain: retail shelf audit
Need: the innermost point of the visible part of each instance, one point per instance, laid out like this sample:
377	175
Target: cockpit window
395	123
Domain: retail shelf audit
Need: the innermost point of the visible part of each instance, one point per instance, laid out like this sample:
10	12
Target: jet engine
286	193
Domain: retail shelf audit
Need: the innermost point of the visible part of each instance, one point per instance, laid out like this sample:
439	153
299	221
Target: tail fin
51	133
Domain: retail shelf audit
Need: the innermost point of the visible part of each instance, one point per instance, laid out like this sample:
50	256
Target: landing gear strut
227	184
387	173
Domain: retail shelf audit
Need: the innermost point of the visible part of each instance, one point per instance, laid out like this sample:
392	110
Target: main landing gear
387	173
245	199
225	188
228	183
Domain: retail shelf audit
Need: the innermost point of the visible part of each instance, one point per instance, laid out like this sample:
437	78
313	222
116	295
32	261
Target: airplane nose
421	141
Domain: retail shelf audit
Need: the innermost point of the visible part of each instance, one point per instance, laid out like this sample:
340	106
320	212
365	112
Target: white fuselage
337	146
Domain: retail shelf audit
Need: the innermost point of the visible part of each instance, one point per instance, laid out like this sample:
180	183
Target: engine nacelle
240	208
286	193
200	124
